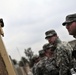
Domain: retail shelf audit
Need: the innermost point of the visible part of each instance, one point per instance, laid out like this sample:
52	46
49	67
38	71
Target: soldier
36	60
49	66
62	52
70	24
48	49
46	65
39	64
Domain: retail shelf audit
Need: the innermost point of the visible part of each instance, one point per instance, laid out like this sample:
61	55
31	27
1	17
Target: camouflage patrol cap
2	23
35	57
50	33
41	52
47	46
69	18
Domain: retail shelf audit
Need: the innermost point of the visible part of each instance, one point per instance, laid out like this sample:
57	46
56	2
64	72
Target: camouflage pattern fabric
63	57
34	69
47	66
40	66
37	68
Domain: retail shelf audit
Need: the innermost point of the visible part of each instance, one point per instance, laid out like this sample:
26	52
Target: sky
26	22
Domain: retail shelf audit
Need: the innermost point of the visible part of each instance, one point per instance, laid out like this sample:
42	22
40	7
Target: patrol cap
47	46
50	33
41	52
35	57
2	23
69	18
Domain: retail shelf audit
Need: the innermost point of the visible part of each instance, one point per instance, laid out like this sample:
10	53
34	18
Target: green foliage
14	61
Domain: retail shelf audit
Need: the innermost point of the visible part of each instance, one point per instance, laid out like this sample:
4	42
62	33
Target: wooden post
5	57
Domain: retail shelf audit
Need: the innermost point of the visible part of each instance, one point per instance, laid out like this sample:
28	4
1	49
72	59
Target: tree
29	53
14	61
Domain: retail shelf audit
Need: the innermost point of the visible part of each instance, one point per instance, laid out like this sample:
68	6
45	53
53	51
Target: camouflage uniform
40	68
34	69
63	57
73	70
49	67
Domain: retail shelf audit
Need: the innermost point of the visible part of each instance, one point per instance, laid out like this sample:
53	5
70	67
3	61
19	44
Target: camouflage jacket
47	66
38	66
63	54
34	69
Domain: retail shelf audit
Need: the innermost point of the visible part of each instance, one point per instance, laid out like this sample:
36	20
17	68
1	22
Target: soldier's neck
57	41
